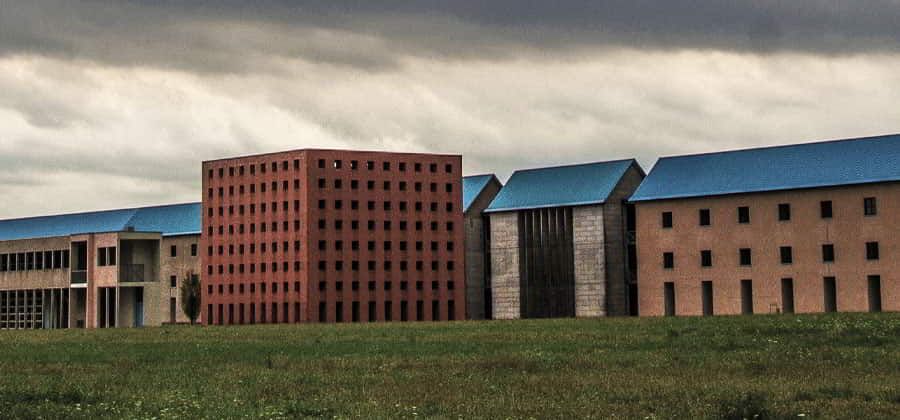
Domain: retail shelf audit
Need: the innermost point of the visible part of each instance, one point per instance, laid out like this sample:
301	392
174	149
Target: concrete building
117	268
478	192
559	241
802	228
333	236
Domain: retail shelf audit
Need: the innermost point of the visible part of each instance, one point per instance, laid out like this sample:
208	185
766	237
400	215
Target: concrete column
505	274
590	261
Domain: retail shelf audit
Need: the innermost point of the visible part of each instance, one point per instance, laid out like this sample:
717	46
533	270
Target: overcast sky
112	104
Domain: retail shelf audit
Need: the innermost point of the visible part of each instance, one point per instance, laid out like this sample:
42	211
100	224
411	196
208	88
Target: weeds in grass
747	406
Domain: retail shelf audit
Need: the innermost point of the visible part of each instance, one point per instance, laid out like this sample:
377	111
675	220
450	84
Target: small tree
190	296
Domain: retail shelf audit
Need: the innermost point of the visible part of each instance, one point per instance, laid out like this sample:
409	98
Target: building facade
803	228
118	268
560	242
333	236
478	192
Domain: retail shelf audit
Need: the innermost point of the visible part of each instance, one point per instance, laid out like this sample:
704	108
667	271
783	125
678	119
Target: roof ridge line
575	164
778	146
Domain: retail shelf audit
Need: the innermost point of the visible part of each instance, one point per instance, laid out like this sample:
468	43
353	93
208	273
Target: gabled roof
473	186
169	220
810	165
573	185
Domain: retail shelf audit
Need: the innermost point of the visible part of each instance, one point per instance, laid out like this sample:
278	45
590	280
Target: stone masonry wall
505	274
590	262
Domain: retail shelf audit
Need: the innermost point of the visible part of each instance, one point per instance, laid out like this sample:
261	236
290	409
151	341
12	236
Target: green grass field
826	366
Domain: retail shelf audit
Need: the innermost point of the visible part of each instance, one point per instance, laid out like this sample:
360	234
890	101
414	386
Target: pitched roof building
109	268
559	241
478	192
801	228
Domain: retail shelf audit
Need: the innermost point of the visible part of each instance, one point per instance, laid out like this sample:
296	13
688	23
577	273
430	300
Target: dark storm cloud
237	36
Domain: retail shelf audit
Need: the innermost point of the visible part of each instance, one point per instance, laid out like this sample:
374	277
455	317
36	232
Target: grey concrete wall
475	252
505	265
614	227
590	261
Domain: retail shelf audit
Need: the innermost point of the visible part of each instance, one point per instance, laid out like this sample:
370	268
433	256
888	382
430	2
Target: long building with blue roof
809	227
559	241
110	268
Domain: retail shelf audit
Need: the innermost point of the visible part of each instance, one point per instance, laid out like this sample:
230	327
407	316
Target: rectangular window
787	295
667	220
746	297
871	250
746	257
704	217
388	311
339	312
784	212
743	215
707	298
193	250
874	293
669	298
668	260
828	253
101	257
870	206
173	281
787	255
830	288
173	251
826	210
706	258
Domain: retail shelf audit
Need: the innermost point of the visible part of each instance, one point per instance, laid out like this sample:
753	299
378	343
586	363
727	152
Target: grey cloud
240	36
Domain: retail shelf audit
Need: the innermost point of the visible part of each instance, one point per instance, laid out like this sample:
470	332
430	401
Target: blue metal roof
573	185
810	165
176	219
472	187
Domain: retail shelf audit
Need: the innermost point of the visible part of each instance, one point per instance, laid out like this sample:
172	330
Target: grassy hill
817	366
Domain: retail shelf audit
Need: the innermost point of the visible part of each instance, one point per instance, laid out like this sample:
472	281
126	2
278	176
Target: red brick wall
303	275
806	232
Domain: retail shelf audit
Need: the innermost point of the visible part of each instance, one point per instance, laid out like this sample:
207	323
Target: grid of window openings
332	236
34	260
784	253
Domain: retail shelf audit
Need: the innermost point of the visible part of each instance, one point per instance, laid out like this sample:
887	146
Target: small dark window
668	260
828	253
743	215
871	250
173	251
173	281
826	210
787	255
745	256
870	206
784	212
706	258
667	220
704	217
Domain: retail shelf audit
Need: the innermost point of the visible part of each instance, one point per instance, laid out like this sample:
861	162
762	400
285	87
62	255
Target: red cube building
333	236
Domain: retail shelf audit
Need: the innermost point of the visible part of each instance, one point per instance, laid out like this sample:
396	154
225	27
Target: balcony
79	276
132	273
